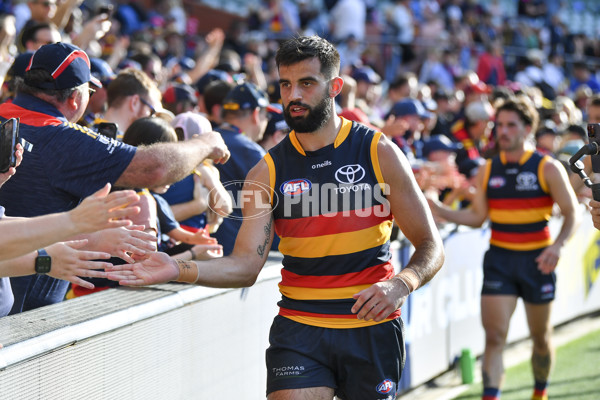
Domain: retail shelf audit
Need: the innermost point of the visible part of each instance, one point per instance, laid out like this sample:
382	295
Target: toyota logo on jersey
350	174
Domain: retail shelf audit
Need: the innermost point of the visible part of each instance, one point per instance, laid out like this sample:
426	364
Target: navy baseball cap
211	76
245	96
366	74
68	65
470	166
276	120
20	64
101	70
179	92
439	142
409	107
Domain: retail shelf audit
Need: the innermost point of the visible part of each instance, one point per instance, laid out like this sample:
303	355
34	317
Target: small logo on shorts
547	288
385	387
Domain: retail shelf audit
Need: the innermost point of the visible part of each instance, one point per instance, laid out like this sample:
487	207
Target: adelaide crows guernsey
334	223
519	203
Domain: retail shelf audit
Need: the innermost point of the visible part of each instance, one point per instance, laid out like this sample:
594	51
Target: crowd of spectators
428	74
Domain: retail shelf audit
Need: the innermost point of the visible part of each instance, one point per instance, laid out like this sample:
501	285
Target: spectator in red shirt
490	66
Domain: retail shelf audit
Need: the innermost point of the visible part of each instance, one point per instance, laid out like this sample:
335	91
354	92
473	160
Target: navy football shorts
360	364
516	273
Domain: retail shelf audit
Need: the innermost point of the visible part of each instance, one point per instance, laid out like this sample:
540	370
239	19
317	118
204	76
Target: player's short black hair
302	48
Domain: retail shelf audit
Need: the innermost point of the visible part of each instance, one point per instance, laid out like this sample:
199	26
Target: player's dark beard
314	119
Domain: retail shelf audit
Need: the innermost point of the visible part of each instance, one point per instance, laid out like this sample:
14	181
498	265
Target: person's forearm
568	226
204	63
425	262
189	209
227	272
164	163
180	235
63	13
220	201
19	266
461	217
22	235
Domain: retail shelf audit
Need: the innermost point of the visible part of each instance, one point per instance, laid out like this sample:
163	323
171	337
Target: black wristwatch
43	262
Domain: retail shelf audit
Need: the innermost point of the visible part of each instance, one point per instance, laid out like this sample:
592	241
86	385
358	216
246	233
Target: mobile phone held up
593	131
106	9
108	129
9	137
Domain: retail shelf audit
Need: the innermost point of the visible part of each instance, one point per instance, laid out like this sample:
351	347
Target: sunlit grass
576	374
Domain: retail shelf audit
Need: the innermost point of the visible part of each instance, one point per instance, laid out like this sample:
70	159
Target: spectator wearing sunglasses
130	96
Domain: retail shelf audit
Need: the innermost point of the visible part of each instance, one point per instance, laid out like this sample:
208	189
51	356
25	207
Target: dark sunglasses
92	91
152	109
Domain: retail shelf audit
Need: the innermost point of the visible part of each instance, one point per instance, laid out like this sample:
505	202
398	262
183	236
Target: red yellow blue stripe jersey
334	223
519	203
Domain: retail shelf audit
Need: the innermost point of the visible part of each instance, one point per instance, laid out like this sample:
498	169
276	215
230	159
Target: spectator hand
156	268
215	38
200	194
202	238
104	210
98	26
69	263
394	127
12	170
207	251
94	29
220	152
124	242
213	221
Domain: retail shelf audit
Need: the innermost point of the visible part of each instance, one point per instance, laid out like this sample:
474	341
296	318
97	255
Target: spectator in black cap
179	98
404	124
439	172
547	138
216	95
446	111
464	190
68	162
367	93
244	121
574	132
276	129
96	108
16	70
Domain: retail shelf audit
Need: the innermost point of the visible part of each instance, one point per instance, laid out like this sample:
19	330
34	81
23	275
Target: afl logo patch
295	187
350	174
547	288
385	387
497	182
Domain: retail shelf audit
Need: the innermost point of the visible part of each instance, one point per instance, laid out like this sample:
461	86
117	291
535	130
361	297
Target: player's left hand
548	259
378	301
